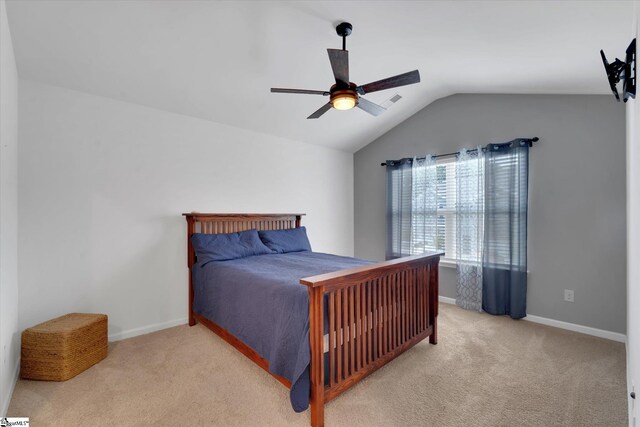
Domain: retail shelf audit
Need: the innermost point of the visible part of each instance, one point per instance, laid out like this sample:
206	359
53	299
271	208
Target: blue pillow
222	247
282	241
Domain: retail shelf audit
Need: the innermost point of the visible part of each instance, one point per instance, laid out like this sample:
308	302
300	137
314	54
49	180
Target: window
436	230
442	206
425	213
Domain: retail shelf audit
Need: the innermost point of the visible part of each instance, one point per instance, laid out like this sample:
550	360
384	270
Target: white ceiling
217	60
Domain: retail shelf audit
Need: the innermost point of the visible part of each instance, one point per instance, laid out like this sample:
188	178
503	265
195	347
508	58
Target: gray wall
577	231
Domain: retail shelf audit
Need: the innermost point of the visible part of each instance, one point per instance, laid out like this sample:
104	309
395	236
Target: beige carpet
485	371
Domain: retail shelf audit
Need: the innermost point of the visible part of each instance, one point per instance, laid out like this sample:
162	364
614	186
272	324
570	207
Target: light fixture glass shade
344	102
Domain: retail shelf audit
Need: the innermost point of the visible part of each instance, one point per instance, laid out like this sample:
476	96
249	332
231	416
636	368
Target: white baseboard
130	333
7	399
613	336
601	333
447	300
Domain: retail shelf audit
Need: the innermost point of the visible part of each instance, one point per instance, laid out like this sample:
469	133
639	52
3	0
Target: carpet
485	371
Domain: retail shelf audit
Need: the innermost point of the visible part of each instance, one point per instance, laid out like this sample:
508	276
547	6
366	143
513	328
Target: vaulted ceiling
217	60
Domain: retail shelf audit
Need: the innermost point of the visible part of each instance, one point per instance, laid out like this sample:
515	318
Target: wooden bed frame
375	312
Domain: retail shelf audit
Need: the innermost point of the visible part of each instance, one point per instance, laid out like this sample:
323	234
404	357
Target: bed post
190	261
298	218
316	340
433	301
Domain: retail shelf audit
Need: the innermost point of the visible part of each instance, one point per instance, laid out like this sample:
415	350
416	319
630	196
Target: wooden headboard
220	223
214	223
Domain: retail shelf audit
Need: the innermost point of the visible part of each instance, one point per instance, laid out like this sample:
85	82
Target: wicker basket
62	348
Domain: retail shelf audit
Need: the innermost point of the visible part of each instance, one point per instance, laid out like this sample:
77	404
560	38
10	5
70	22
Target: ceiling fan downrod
343	30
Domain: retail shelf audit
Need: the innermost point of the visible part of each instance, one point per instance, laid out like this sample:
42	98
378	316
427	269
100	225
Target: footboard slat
363	336
374	319
381	316
412	303
392	312
332	341
403	307
370	320
338	311
408	304
388	312
396	312
425	297
420	302
345	334
352	365
358	326
407	307
380	320
375	313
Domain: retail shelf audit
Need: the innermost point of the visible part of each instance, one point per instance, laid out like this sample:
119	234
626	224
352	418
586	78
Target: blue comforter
260	300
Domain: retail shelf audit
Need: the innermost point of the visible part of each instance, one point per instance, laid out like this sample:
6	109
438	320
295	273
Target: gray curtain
399	180
411	206
504	257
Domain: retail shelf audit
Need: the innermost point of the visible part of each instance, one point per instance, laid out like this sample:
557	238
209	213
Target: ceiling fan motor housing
339	93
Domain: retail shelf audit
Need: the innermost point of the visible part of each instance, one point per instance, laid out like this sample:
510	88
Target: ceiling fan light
343	102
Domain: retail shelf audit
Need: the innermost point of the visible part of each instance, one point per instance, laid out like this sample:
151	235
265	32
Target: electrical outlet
568	295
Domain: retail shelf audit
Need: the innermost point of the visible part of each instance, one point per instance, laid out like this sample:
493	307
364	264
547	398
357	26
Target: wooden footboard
375	313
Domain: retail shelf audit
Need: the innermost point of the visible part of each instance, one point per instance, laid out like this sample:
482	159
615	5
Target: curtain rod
455	153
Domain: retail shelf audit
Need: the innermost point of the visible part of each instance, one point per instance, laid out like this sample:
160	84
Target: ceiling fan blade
326	107
370	107
340	65
303	91
400	80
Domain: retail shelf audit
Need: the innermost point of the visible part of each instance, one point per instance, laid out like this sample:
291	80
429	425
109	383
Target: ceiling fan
345	95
